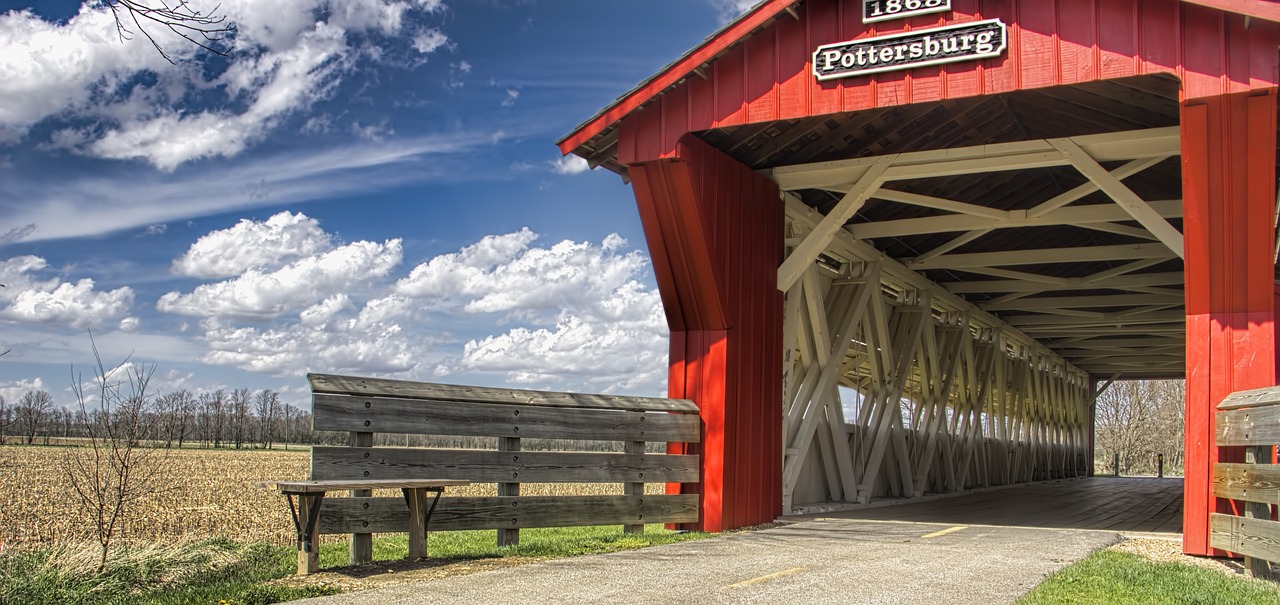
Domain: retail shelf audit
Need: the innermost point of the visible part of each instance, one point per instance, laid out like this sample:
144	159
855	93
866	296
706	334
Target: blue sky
364	187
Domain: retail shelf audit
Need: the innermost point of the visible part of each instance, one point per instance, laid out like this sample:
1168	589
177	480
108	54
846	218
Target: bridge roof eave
596	138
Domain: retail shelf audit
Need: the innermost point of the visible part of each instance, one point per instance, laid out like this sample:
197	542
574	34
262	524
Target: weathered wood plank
309	550
1253	398
486	466
1249	537
1247	482
420	416
311	487
391	515
357	386
509	446
635	448
416	507
1249	426
360	547
1257	456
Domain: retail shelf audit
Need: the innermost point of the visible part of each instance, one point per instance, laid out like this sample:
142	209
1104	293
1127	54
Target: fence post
634	489
361	548
1160	465
1257	566
509	537
1117	465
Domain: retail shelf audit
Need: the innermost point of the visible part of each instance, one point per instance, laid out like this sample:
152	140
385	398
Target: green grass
217	572
210	572
1115	578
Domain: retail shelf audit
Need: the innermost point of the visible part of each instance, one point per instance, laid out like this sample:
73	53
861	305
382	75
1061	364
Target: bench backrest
363	406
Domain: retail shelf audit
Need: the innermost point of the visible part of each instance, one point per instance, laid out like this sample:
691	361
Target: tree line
239	418
1135	422
222	418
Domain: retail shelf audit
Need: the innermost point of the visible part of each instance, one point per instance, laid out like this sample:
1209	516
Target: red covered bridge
901	243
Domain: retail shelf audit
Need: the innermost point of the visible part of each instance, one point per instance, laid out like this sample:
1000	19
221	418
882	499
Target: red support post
714	229
1229	196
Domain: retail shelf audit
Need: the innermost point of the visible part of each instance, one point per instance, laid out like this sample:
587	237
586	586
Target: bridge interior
1147	505
960	274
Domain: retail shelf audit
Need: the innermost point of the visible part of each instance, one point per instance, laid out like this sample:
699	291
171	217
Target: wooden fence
364	406
1250	419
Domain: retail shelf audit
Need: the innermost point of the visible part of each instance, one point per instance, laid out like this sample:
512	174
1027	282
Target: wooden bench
309	496
364	406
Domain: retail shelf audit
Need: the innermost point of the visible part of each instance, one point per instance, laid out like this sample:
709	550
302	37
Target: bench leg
419	518
306	517
416	499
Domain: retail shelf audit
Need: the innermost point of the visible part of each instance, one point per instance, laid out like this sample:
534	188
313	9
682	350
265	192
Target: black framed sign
884	10
949	44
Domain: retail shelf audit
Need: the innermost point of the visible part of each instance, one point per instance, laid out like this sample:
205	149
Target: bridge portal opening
890	274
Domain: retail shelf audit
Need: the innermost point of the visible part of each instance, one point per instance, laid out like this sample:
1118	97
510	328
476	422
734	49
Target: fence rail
364	406
1250	419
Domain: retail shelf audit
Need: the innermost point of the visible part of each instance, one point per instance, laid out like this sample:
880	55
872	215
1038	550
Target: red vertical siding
1228	155
1051	42
730	363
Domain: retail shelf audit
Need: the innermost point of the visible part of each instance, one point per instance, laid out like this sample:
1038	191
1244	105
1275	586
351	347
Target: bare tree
31	411
1138	420
6	417
114	470
208	30
240	401
217	404
267	405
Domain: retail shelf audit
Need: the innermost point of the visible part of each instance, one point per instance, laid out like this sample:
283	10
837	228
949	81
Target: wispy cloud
53	208
729	9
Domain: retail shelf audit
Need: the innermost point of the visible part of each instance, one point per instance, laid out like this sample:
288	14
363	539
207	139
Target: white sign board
950	44
884	10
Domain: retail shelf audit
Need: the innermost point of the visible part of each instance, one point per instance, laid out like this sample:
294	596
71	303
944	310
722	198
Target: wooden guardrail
364	406
1250	419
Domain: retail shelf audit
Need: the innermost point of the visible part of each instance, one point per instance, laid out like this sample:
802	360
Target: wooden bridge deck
1131	504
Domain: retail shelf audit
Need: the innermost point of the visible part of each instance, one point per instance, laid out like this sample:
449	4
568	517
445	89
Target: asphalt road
820	561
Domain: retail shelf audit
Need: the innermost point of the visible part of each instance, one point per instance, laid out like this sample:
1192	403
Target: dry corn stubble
204	493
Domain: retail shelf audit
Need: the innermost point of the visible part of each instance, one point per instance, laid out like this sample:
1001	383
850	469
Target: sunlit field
201	494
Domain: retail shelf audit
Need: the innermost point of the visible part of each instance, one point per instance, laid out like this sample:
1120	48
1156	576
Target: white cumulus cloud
29	299
268	294
123	100
584	319
254	245
339	345
14	390
570	164
566	315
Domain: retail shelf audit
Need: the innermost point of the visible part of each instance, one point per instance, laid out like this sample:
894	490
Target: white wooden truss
895	386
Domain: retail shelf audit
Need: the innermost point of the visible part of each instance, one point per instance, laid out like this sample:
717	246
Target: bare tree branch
205	30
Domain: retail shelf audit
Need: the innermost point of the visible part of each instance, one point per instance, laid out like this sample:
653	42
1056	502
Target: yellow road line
949	530
773	576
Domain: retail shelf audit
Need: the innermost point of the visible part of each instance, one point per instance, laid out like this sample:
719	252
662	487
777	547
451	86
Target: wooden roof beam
1113	146
1122	195
1081	216
1045	256
1123	282
1085	189
1077	302
818	239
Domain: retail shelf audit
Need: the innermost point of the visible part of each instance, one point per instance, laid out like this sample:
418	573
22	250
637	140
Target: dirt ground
1169	550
